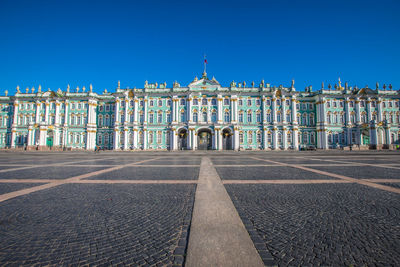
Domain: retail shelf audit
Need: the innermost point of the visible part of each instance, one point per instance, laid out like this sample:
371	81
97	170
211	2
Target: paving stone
150	173
78	224
53	172
366	172
10	187
322	224
267	173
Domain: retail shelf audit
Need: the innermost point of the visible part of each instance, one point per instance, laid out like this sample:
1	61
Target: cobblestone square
332	208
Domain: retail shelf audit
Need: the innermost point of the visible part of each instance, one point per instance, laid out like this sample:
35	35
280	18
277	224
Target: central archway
182	139
226	139
204	139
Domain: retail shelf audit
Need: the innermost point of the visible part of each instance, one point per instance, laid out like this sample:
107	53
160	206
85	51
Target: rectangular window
240	102
249	102
241	138
240	117
258	102
226	101
151	118
258	117
168	117
159	118
250	137
249	117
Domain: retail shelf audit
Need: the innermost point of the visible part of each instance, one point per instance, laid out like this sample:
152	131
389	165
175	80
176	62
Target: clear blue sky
55	43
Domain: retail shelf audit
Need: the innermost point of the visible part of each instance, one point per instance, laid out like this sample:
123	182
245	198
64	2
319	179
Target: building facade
202	115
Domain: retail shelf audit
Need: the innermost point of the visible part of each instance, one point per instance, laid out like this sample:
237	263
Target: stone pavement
330	208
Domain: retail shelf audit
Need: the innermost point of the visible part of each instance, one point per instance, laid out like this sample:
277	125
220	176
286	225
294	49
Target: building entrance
204	139
226	139
182	139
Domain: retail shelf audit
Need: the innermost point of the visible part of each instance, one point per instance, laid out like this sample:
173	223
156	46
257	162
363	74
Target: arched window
249	116
151	137
183	101
159	137
160	103
258	117
195	117
107	120
268	117
183	117
269	138
213	101
169	102
241	116
279	138
289	138
241	137
159	118
213	116
249	137
305	137
226	101
195	102
258	137
151	118
204	116
226	116
278	117
204	101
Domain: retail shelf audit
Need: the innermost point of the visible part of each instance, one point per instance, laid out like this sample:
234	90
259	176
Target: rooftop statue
233	84
346	85
252	84
146	84
77	89
119	84
33	90
377	85
18	91
384	86
262	84
68	88
390	87
244	83
329	86
27	90
59	91
292	83
39	89
176	85
322	85
83	89
91	88
6	92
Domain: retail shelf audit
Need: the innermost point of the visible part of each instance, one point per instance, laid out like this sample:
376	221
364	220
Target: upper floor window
195	102
287	102
268	103
226	116
169	102
183	101
151	103
249	102
258	117
278	102
195	117
226	101
258	102
240	102
213	101
159	118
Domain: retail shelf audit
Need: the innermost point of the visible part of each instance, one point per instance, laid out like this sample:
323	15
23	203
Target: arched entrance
226	139
365	137
49	141
182	139
204	139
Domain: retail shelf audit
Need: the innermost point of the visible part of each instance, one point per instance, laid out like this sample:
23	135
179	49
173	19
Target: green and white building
201	115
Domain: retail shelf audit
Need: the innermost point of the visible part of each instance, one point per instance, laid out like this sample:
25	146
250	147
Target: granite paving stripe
136	182
276	172
10	187
341	224
41	181
93	225
383	180
217	235
364	164
359	181
150	173
18	193
395	185
284	181
54	172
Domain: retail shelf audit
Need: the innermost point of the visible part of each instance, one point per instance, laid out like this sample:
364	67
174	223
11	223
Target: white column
294	110
174	139
274	139
37	115
349	139
14	124
236	138
29	141
369	110
146	110
274	110
284	139
194	139
126	136
66	115
174	109
380	113
347	110
135	111
323	113
189	139
189	113
283	101
42	136
116	139
358	113
295	138
234	112
116	112
126	111
219	109
387	133
57	122
47	111
219	136
135	138
208	110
